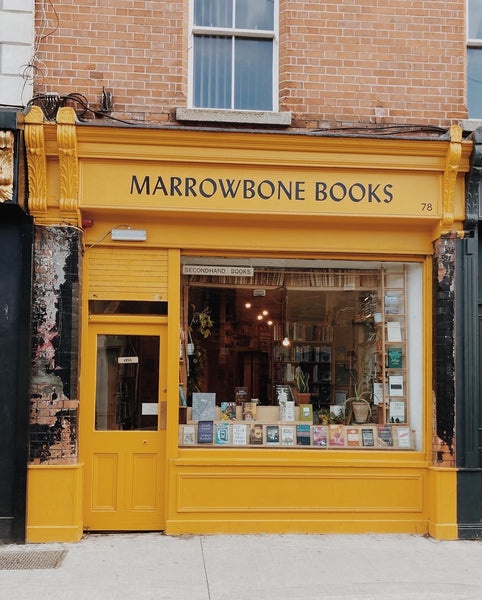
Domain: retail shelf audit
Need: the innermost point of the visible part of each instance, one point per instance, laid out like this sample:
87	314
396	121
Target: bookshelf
311	350
392	390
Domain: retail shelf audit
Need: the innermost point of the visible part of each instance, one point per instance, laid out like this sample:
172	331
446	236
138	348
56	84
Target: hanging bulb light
247	305
264	313
286	340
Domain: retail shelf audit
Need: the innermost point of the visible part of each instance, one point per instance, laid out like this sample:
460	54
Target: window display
301	353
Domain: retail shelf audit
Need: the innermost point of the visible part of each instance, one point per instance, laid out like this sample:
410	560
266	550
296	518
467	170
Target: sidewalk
142	566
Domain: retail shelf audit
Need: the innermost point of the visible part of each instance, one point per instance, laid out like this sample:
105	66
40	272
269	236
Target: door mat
16	560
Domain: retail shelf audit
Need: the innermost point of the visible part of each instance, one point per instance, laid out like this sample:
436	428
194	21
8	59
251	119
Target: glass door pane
127	385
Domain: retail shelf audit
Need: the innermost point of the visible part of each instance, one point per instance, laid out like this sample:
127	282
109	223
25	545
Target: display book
225	425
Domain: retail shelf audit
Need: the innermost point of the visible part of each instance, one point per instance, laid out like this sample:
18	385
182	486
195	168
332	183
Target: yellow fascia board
265	148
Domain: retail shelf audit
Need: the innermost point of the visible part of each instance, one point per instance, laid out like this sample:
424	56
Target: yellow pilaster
442	500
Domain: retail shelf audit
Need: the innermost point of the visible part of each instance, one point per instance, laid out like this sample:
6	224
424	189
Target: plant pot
361	411
302	398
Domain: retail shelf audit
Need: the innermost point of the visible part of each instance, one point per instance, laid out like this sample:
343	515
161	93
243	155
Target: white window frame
472	44
234	33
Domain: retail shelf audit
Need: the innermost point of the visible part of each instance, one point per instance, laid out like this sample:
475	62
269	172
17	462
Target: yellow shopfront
220	270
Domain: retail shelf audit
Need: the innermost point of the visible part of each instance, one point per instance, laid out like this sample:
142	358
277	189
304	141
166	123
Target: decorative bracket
474	181
452	164
6	165
68	166
36	163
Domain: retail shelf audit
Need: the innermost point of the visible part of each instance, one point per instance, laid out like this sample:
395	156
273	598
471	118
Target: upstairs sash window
474	59
233	54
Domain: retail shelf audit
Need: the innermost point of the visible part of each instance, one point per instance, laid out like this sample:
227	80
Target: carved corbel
474	181
452	164
36	163
6	165
68	166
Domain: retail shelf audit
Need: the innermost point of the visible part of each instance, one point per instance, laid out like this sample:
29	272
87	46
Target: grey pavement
241	567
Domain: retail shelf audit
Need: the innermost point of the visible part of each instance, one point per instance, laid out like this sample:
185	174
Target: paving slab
149	566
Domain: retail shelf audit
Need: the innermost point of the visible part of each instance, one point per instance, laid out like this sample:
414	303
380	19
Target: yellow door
122	427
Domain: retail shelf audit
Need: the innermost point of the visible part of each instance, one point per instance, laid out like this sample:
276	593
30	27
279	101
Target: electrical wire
50	103
34	67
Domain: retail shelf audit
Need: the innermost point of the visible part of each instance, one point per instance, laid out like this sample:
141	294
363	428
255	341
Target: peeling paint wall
444	351
55	347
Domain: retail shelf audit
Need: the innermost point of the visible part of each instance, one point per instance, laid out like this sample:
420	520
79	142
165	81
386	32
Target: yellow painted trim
300	526
54	517
172	450
427	341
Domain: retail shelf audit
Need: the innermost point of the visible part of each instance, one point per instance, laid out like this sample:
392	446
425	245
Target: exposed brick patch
443	454
54	400
444	351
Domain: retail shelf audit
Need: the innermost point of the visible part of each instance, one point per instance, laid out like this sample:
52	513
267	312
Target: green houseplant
302	387
358	405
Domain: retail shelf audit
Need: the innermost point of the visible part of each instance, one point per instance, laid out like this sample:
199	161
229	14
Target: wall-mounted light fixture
128	235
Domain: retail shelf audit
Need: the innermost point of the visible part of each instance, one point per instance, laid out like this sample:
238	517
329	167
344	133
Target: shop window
474	59
302	353
228	38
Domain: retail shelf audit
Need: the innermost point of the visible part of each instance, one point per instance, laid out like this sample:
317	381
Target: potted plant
359	405
301	381
200	328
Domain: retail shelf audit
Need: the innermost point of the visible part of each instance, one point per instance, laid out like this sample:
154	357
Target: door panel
122	433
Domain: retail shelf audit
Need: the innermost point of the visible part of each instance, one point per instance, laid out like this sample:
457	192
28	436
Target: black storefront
469	353
16	233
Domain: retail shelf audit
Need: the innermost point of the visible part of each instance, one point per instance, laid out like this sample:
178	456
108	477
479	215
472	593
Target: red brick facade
341	62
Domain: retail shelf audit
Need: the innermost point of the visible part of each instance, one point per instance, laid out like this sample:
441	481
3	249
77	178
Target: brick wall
55	324
342	62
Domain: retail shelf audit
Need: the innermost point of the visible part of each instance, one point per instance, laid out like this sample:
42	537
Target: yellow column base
442	500
54	503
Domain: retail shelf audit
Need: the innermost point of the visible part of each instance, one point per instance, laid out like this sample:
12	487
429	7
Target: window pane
475	19
474	82
253	85
213	13
255	14
212	72
127	385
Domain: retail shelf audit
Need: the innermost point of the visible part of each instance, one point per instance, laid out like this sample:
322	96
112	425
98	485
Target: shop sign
218	270
268	189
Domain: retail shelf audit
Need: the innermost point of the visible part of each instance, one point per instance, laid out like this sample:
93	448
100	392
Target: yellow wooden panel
133	273
59	519
322	493
144	481
104	481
